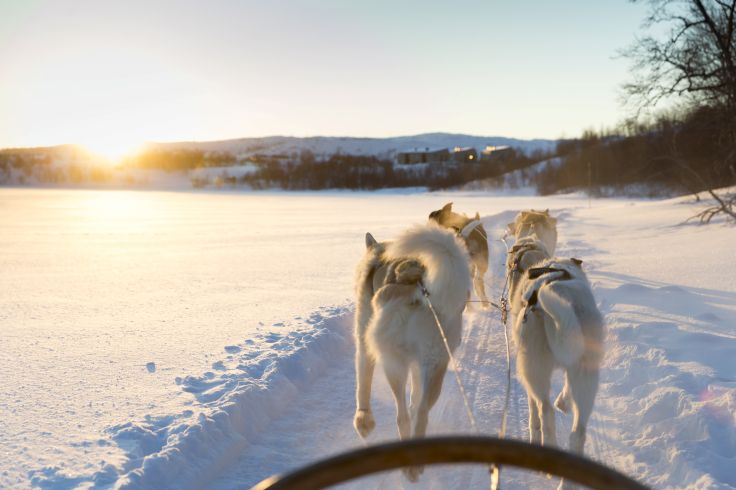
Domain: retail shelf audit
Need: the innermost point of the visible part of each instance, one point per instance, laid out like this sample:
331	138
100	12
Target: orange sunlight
111	150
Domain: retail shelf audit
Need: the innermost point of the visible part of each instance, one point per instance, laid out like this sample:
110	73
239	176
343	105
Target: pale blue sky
119	73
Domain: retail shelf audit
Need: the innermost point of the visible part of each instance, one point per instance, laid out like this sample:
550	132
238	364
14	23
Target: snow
202	339
381	147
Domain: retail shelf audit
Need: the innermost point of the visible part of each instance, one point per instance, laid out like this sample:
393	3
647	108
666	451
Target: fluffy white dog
558	325
393	323
537	224
526	252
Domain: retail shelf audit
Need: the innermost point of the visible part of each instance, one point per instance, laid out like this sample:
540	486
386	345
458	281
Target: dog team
556	323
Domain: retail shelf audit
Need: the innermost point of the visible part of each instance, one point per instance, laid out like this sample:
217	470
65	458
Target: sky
116	74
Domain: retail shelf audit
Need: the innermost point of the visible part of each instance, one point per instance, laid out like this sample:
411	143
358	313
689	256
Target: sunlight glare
113	212
112	150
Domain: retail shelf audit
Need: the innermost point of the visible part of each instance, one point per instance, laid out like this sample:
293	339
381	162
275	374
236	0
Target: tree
696	60
694	63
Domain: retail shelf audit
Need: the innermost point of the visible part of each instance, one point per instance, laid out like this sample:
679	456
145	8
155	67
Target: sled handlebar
450	449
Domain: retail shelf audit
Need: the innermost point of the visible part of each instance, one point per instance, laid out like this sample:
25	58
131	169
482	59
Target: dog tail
364	285
447	275
564	332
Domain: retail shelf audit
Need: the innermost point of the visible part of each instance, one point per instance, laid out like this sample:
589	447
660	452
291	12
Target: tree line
681	136
675	153
340	171
297	171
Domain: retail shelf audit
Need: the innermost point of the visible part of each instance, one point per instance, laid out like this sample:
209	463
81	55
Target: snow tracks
664	413
320	424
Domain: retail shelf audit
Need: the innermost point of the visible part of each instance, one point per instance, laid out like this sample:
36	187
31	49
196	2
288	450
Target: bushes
369	172
298	171
682	152
178	159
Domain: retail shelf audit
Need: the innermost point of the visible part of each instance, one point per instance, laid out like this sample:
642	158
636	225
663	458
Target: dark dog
476	241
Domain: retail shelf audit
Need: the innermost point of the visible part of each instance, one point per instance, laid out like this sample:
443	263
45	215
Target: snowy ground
185	340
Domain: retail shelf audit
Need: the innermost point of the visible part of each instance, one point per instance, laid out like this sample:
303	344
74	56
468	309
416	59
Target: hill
379	147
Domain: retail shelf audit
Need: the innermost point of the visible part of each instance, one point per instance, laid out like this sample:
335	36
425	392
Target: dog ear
370	242
577	262
447	207
477	215
546	211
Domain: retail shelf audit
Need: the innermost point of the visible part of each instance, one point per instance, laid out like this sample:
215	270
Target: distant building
464	155
425	155
495	153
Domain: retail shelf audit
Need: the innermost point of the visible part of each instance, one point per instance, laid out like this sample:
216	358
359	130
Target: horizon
431	133
183	72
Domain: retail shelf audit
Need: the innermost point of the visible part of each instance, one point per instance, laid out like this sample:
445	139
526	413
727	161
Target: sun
112	151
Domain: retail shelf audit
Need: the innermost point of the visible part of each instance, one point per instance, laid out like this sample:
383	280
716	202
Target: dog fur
476	242
523	255
538	224
562	328
393	323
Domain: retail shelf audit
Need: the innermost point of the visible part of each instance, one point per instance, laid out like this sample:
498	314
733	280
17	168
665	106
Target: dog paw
562	403
412	473
364	422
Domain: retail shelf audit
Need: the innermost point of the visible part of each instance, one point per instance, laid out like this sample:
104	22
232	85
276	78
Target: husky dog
558	325
526	252
393	323
537	223
476	240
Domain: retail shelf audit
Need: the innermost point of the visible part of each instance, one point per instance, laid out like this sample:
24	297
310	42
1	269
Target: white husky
393	323
537	224
558	325
526	253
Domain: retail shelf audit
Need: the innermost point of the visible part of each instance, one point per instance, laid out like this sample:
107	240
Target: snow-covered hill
382	147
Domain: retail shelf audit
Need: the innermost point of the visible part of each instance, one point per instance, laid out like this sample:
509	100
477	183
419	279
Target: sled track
320	422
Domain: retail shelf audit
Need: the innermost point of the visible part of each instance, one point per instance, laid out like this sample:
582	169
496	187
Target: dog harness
470	228
537	272
519	251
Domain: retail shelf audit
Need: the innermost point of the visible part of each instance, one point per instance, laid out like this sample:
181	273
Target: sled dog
523	255
558	325
476	240
537	223
394	325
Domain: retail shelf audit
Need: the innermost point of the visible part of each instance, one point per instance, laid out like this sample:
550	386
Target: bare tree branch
695	64
696	60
